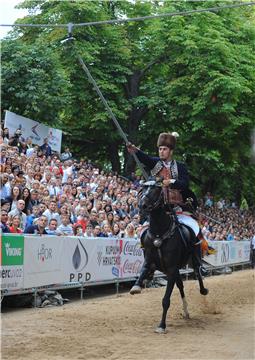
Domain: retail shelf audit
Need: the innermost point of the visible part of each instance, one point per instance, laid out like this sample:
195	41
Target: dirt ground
221	326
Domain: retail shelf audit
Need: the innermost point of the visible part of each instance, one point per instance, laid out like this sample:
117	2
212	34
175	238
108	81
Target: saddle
188	236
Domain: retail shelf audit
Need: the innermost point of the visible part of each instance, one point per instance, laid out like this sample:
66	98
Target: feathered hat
167	139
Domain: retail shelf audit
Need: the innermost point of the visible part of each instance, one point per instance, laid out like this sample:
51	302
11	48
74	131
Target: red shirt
13	231
83	223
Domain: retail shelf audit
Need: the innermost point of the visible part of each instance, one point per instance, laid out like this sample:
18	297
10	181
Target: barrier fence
31	262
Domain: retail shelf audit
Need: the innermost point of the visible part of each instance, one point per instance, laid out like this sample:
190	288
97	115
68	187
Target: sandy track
221	326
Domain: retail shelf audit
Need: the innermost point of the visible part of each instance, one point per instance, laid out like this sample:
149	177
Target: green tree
192	74
32	83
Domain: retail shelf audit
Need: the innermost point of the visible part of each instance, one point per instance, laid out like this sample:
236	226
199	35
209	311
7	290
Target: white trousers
189	221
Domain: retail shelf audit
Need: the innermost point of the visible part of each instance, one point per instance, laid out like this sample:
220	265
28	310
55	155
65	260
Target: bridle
156	204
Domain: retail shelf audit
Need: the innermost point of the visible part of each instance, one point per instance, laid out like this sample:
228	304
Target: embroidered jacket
177	192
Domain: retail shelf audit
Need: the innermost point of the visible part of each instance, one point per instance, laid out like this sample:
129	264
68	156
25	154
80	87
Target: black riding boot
197	258
144	274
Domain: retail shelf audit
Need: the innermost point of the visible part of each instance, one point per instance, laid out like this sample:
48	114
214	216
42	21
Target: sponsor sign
12	258
78	253
33	129
229	252
101	259
12	250
42	261
34	261
132	258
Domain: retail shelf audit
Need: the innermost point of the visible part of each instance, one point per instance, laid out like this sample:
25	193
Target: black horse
167	247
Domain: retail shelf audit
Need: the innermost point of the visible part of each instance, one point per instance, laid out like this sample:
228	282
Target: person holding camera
16	139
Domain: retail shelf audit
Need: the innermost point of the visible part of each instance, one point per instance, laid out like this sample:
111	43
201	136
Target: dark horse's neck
160	221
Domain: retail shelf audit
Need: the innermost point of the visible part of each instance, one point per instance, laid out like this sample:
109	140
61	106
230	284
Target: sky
8	14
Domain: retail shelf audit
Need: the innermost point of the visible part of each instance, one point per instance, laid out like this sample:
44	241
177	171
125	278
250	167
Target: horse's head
151	196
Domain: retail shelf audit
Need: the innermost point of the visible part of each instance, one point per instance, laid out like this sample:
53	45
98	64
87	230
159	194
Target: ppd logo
80	257
80	260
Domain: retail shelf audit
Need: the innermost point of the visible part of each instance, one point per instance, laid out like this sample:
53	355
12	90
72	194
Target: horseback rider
176	192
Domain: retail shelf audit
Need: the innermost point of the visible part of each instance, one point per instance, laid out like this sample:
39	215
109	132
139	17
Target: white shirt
52	215
67	172
253	243
66	229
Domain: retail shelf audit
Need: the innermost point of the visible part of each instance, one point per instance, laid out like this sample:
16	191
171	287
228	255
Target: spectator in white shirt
65	228
52	213
67	171
52	228
54	189
5	189
253	252
66	155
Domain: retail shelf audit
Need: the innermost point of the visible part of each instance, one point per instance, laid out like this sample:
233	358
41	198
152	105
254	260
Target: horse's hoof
136	289
160	330
204	291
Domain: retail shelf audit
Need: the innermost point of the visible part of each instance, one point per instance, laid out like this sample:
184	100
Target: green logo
12	250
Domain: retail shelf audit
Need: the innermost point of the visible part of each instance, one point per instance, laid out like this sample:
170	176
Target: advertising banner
101	259
32	261
229	252
42	260
33	129
54	260
12	260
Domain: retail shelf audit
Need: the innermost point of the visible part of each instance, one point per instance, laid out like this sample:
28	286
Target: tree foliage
33	83
191	74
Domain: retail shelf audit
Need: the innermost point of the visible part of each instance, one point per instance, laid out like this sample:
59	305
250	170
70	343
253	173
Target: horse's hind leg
179	284
171	278
203	290
197	261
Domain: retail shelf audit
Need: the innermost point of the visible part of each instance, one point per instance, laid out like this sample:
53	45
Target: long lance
109	110
210	218
121	132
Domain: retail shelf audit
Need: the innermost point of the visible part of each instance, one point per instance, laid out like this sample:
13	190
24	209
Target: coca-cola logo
132	249
132	267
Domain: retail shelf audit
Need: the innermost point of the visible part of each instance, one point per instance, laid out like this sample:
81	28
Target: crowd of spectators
223	220
43	192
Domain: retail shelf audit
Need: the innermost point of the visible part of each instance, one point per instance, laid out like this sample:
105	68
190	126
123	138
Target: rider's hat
167	139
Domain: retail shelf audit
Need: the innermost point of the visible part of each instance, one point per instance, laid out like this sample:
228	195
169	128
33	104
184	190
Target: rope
139	18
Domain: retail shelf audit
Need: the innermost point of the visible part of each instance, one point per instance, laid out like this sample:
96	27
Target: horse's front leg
171	278
144	274
180	286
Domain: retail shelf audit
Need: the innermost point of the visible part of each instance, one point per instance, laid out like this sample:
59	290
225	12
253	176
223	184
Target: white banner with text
31	261
34	130
54	260
229	252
